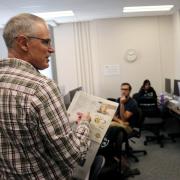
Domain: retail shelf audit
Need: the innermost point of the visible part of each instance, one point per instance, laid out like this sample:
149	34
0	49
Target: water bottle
162	99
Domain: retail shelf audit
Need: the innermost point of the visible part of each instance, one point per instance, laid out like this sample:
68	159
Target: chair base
116	173
173	136
158	138
131	173
130	152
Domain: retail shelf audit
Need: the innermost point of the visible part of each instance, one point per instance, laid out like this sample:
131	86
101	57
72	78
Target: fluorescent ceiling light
147	8
54	14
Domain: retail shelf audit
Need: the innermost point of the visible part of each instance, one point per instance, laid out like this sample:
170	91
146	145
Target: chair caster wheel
145	153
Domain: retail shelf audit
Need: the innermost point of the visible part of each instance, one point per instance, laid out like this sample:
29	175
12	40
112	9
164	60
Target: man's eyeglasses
46	42
124	89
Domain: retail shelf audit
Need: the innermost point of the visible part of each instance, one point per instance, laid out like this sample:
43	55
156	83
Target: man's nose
51	50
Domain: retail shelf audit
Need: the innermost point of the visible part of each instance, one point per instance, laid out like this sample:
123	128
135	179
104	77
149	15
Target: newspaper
101	113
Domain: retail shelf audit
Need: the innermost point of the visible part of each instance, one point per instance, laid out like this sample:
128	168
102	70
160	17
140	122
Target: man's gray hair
22	24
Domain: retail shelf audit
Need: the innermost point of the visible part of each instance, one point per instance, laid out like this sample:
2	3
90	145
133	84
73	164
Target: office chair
136	133
153	120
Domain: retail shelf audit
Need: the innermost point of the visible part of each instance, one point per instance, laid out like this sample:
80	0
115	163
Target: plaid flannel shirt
36	140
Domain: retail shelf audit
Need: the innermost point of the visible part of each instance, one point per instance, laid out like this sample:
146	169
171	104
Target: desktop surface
175	102
168	97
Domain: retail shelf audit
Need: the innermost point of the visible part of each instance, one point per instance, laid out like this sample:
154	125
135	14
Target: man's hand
120	121
123	100
115	119
83	117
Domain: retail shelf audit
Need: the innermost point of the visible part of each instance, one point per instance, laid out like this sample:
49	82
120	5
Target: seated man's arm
124	113
120	121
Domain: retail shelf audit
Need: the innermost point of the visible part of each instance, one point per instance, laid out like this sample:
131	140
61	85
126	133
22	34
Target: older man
36	140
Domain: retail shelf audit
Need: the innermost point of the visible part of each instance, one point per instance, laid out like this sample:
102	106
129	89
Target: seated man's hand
115	119
123	100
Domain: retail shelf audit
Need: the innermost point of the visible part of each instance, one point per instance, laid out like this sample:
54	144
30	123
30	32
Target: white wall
115	36
166	48
156	40
150	36
65	56
176	33
3	49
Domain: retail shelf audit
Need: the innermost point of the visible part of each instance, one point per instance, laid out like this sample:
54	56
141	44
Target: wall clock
131	55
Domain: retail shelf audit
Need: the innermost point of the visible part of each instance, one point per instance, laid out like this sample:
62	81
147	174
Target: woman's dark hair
146	81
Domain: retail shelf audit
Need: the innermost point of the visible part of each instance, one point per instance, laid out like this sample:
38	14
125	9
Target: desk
174	110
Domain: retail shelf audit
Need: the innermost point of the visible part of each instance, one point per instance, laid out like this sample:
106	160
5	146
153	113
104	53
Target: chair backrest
140	119
138	125
135	96
149	107
112	99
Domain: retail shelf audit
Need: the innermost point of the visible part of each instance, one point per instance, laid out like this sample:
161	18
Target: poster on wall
111	70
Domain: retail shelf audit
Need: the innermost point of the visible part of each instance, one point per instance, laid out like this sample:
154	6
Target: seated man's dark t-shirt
130	106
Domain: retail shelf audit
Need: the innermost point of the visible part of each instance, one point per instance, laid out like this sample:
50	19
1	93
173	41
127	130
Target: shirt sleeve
132	106
61	141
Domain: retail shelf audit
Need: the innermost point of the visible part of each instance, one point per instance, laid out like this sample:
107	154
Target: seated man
126	114
121	125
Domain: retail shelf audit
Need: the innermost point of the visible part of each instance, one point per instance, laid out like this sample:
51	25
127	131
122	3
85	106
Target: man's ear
22	42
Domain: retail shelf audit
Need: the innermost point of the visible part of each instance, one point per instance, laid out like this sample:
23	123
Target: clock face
131	55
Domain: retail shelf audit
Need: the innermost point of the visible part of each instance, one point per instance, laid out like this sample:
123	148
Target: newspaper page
101	113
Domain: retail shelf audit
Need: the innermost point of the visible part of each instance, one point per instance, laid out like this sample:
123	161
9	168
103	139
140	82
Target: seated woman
147	99
146	91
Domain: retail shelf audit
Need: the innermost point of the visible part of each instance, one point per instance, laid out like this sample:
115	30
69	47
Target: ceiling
83	9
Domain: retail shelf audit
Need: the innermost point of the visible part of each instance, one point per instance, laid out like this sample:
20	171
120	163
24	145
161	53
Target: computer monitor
73	92
179	86
69	96
176	87
168	85
67	100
